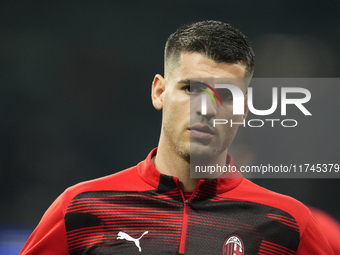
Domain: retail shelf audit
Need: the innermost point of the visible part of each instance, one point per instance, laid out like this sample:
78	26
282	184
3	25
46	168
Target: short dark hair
216	40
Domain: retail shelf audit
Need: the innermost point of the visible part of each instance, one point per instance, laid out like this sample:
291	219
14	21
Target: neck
168	161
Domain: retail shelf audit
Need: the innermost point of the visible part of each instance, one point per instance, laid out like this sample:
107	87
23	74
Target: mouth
201	132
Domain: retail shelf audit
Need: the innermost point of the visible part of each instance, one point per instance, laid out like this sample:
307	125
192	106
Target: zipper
186	215
184	226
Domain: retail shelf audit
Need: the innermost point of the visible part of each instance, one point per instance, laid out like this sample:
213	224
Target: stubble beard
189	149
204	153
177	140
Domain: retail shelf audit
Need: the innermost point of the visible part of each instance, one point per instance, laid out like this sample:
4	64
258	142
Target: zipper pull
186	202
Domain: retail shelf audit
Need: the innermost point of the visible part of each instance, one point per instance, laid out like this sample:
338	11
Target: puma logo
122	235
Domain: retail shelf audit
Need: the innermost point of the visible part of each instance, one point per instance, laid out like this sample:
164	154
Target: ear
246	108
158	87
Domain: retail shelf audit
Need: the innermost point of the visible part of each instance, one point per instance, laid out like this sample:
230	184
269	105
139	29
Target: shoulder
313	239
249	191
125	180
271	198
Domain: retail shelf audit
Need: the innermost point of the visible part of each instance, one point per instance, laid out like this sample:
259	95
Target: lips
201	132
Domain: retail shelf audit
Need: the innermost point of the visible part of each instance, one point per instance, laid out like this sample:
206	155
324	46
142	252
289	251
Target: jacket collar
152	176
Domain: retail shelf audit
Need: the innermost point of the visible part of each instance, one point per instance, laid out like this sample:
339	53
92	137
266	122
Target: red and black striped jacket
140	211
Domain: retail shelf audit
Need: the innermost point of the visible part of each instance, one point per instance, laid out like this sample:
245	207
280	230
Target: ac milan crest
233	246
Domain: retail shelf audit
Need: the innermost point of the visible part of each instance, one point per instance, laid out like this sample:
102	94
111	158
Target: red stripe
285	220
265	245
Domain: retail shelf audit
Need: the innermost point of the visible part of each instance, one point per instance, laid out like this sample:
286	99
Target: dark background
75	91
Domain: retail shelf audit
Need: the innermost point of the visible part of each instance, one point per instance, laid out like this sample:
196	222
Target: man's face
187	131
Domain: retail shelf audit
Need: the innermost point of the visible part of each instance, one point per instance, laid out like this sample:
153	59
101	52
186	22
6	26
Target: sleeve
313	240
331	228
49	237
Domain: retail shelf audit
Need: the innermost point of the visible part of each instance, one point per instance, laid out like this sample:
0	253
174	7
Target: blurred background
75	94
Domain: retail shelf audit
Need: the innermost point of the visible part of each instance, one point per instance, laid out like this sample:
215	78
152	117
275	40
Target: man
155	207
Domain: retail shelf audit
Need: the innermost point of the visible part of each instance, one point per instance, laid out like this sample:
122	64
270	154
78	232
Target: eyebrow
187	81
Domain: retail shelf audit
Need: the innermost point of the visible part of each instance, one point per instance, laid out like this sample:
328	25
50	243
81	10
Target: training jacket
141	211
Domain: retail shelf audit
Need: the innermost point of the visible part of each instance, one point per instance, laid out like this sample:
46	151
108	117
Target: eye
225	94
192	89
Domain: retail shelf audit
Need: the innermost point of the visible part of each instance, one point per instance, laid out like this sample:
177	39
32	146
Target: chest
142	223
